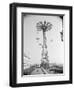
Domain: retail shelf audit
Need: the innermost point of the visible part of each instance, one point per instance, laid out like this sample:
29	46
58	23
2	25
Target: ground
39	71
34	70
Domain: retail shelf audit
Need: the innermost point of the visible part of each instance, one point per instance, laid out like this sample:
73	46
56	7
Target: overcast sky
55	46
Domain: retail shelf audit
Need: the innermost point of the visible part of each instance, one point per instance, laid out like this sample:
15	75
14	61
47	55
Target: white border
66	27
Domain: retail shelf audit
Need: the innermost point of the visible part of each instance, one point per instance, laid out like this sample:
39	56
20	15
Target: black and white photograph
40	44
43	44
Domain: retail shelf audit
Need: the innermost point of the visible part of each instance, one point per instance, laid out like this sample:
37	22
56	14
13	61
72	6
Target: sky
32	49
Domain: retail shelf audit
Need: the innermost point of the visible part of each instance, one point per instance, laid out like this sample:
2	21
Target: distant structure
44	27
61	35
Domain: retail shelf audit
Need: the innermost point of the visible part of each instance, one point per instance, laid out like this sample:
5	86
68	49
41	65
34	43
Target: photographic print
43	44
40	44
